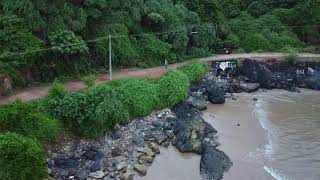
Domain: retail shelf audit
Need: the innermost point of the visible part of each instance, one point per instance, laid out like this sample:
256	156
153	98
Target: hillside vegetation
27	128
41	40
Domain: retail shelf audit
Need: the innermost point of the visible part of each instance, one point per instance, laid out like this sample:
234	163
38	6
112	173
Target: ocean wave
275	173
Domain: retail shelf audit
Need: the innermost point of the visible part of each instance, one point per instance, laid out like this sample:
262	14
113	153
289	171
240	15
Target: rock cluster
129	149
126	151
282	75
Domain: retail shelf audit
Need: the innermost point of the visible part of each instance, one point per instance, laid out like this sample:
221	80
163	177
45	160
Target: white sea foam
275	173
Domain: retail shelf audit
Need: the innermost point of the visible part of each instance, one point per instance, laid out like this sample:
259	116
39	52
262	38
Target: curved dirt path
38	92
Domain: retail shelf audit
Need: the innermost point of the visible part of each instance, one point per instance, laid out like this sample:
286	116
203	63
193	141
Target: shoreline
241	136
134	146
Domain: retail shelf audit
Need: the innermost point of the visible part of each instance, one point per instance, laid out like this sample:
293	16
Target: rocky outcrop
190	129
198	100
213	89
194	134
312	80
249	87
214	163
282	75
257	72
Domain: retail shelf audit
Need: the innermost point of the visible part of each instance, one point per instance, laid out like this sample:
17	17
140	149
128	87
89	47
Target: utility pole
110	65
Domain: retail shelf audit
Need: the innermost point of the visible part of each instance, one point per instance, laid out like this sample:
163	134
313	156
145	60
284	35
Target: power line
6	55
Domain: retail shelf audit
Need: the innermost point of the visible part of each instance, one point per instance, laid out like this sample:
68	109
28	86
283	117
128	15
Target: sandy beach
241	137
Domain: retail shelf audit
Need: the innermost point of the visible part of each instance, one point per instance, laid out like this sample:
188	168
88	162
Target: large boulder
190	130
249	87
257	72
312	80
214	163
198	101
214	89
216	94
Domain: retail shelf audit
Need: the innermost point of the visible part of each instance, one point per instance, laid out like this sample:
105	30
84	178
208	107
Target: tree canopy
41	40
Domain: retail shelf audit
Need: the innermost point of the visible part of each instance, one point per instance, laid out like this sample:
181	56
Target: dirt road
38	92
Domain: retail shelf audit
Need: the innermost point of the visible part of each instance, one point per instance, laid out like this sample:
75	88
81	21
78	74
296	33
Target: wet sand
170	164
275	137
241	136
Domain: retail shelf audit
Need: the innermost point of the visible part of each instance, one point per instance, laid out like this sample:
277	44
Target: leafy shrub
195	70
292	56
55	93
21	158
153	51
110	112
255	42
89	80
123	51
257	8
28	120
72	111
139	97
173	88
92	113
61	41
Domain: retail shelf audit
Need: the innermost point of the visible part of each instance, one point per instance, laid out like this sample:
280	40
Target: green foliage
124	53
257	8
16	38
89	114
109	112
66	42
29	120
21	158
256	42
74	34
292	56
173	88
139	97
55	93
231	8
154	51
195	70
73	111
232	41
89	80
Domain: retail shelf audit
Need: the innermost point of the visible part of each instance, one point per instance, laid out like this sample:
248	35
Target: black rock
190	129
257	72
64	163
138	140
216	94
214	163
312	80
156	123
95	167
160	138
198	101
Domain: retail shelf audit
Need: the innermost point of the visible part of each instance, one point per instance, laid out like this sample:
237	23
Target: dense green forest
41	40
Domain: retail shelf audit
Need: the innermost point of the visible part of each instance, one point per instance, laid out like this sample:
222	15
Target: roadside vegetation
26	128
35	35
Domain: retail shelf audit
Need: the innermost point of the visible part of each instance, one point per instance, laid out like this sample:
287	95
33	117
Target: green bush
173	88
92	113
89	80
28	120
55	93
110	112
195	70
139	97
255	42
73	111
21	158
292	55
